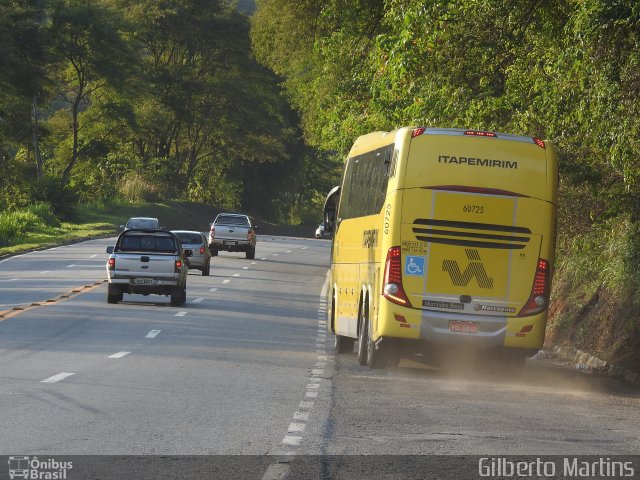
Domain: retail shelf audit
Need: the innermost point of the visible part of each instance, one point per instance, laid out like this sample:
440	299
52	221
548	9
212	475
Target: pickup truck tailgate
231	232
148	265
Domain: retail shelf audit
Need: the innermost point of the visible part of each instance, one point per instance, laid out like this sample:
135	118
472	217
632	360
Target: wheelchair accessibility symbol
413	265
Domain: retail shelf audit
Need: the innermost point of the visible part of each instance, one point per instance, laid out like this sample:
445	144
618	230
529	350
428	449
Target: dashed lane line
119	355
57	378
152	334
180	314
198	300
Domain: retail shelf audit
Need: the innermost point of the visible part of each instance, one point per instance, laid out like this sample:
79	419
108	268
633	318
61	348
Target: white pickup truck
234	233
147	262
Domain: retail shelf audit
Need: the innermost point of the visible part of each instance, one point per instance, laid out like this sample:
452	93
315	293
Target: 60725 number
473	209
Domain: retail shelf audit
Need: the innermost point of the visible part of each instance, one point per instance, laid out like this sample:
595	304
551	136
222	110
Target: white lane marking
253	263
119	355
46	271
296	427
322	357
275	254
264	258
57	378
71	266
9	280
287	251
214	289
93	256
304	248
153	334
301	416
276	471
311	394
226	280
321	364
312	386
181	314
317	371
291	440
245	268
236	274
198	300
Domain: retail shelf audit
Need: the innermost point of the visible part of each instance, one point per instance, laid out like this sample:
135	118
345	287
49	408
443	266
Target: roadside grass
36	226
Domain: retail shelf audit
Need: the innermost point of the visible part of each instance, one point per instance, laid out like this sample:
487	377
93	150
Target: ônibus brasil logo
34	469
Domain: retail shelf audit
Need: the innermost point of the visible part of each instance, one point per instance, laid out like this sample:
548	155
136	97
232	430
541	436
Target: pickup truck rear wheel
179	296
114	294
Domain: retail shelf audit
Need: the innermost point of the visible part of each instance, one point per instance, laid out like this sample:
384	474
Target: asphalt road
246	368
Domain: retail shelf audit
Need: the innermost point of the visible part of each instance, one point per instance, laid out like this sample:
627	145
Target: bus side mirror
329	220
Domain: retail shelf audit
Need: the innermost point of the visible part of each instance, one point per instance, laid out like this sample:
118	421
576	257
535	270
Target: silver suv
145	223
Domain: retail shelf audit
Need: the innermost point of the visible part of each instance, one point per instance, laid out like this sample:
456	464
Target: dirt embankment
604	323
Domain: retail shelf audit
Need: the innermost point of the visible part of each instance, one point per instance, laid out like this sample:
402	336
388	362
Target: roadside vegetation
563	70
37	226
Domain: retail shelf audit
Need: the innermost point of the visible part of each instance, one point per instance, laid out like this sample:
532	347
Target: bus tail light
539	142
480	133
417	132
392	288
112	264
539	297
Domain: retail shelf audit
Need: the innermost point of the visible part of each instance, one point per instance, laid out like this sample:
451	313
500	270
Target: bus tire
376	357
363	340
343	344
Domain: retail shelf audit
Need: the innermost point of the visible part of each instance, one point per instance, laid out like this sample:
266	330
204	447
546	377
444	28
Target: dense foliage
147	100
565	70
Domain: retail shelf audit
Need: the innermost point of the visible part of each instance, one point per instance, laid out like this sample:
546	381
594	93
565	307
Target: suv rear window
232	220
147	243
142	223
189	238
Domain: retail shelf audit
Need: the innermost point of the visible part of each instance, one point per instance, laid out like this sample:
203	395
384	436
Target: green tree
90	55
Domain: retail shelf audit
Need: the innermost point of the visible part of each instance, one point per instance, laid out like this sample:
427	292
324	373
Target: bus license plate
143	281
463	327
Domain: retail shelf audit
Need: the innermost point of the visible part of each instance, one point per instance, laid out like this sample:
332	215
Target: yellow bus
442	238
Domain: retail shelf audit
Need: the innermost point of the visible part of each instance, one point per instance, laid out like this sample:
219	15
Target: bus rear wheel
363	341
376	356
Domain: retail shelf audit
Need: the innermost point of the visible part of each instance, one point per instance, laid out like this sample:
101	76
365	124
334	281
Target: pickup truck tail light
112	264
178	266
250	235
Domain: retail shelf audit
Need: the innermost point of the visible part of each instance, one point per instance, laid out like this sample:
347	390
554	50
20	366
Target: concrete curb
592	364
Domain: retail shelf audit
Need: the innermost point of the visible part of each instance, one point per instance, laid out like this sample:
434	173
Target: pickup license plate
463	327
143	281
230	242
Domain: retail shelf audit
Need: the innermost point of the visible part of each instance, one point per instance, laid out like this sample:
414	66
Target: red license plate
463	327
